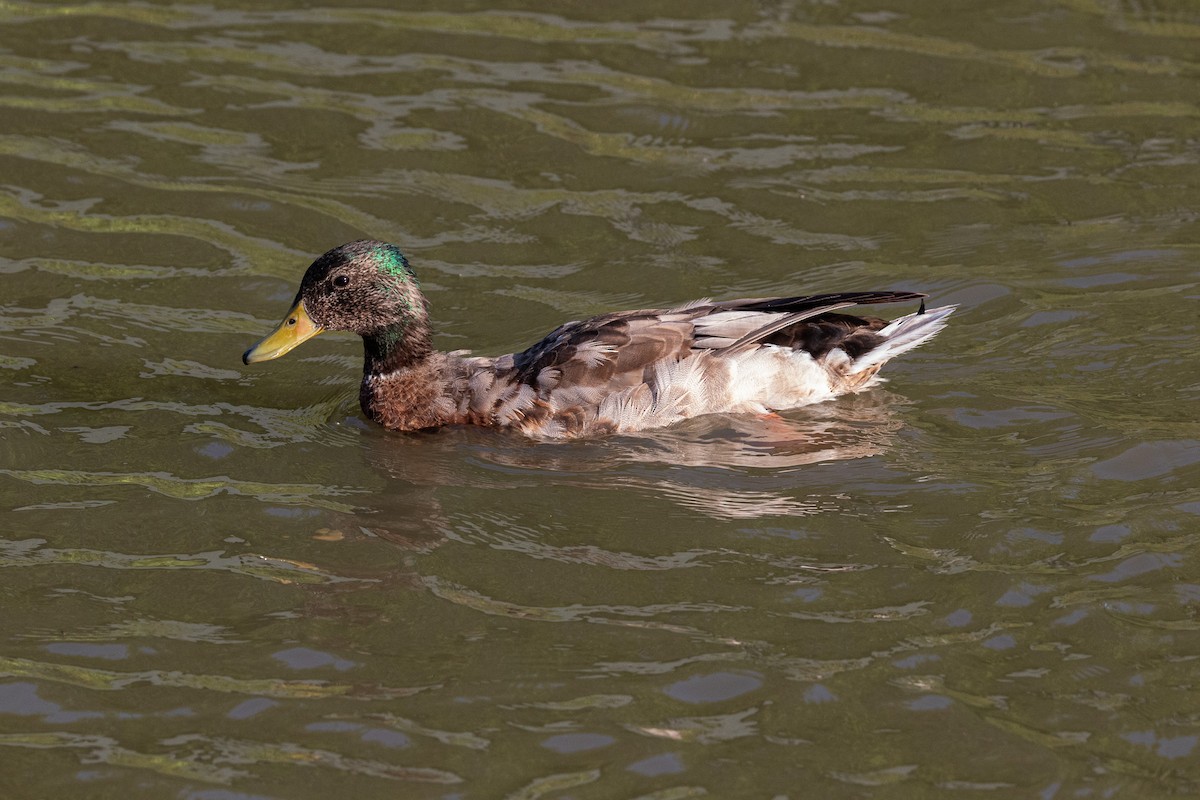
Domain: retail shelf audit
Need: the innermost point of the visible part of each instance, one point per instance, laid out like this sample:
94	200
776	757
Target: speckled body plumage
624	371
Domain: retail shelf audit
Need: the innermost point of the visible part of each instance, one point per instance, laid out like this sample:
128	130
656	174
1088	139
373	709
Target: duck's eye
341	281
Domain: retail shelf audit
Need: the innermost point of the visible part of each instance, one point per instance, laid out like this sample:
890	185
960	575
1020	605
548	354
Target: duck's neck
403	386
396	348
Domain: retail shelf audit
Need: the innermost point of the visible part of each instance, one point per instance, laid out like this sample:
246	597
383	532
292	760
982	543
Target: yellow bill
297	327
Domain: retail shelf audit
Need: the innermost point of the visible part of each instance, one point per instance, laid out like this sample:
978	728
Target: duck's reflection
510	494
723	466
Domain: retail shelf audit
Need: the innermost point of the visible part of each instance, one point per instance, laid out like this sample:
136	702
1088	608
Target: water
220	583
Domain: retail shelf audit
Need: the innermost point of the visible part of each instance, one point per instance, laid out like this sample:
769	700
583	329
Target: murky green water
220	583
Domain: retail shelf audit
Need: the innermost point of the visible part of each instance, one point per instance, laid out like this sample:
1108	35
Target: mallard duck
620	372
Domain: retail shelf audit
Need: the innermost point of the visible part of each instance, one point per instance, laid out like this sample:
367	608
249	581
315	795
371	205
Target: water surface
220	582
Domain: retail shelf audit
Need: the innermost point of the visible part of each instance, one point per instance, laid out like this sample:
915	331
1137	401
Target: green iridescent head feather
390	261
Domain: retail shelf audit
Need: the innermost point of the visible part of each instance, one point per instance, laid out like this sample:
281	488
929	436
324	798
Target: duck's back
636	370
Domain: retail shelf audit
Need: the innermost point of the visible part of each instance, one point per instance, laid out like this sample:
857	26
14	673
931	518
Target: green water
220	583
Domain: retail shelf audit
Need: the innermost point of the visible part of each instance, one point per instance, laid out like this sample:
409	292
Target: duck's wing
574	368
811	301
614	351
608	352
802	323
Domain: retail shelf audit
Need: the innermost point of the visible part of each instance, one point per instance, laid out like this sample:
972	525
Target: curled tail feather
902	335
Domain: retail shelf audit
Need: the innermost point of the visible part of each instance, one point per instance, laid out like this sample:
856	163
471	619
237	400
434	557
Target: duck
619	372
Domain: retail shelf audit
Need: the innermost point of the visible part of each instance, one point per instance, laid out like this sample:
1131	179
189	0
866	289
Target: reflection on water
739	466
221	583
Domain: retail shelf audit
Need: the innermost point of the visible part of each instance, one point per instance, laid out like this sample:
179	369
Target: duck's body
620	372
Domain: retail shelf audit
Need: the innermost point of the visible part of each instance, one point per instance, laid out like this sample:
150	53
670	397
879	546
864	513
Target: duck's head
365	287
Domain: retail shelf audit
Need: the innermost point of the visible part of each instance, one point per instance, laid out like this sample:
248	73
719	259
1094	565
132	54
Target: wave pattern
220	581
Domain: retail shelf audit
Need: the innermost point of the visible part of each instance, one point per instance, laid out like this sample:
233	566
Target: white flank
771	378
